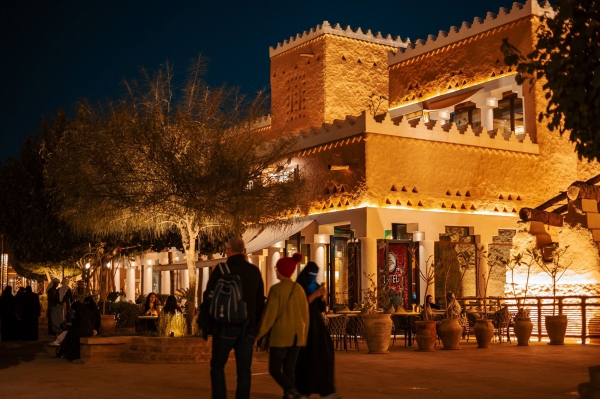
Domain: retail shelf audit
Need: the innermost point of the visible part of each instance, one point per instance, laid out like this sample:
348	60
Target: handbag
263	344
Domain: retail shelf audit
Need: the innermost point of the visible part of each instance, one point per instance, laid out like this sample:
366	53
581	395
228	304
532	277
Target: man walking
238	336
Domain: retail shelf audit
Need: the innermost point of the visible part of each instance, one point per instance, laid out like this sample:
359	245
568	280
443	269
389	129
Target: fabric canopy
448	100
273	234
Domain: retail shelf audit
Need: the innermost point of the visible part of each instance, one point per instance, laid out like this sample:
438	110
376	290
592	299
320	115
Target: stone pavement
503	371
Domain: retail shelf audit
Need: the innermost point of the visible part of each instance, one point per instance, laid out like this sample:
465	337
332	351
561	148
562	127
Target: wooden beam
563	196
535	215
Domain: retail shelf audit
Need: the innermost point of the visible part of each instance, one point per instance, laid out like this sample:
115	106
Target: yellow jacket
293	321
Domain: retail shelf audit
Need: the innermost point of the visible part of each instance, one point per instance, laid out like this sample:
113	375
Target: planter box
102	349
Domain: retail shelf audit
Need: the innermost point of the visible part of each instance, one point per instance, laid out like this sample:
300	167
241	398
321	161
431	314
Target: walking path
503	371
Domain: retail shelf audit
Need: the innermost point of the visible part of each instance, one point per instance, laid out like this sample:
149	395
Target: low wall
135	349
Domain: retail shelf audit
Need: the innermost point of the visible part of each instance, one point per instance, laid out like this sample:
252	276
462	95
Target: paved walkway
503	371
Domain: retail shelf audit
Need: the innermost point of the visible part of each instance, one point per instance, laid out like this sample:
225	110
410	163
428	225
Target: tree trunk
584	191
188	239
534	215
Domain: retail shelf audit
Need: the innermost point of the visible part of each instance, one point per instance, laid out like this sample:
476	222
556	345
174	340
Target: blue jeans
241	340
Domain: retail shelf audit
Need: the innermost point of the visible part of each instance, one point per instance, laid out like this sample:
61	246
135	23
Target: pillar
165	286
368	260
317	254
130	281
483	271
147	279
118	278
274	256
426	249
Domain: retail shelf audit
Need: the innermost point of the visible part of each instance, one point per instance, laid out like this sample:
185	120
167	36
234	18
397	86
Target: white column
368	259
426	249
317	255
130	284
165	286
274	256
118	279
205	276
185	278
147	279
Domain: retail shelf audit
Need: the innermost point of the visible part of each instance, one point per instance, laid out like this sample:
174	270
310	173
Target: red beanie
287	266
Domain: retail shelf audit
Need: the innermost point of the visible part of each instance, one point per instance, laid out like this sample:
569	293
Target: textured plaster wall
582	277
463	64
309	90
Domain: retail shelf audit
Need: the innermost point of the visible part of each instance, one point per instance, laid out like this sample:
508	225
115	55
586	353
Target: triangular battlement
479	25
326	28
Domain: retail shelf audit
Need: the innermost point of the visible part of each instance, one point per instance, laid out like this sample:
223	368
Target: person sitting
429	303
152	305
453	308
84	324
171	305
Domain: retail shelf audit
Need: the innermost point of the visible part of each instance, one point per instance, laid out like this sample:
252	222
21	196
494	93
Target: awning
435	103
273	234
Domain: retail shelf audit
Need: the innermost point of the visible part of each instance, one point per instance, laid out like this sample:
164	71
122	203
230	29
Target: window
508	116
466	114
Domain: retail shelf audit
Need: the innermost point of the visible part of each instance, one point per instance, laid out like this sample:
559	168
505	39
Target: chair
501	321
470	326
355	329
337	330
405	324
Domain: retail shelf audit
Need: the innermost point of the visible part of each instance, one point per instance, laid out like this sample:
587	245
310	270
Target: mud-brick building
443	165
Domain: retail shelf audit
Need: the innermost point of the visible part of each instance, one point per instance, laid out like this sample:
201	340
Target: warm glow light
132	263
108	265
149	262
177	258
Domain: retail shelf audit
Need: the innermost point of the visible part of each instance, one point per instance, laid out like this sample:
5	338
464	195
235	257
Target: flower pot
556	327
108	325
523	328
450	332
378	329
426	335
484	331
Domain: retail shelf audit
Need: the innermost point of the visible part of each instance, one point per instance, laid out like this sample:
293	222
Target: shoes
292	394
54	343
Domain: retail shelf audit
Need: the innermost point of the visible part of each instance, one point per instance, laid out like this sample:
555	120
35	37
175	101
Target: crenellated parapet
466	30
262	122
417	130
337	30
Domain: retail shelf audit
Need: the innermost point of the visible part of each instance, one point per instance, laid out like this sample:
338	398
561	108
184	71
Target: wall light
87	265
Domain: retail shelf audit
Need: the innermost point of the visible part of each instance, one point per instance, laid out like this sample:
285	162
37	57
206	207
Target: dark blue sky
54	53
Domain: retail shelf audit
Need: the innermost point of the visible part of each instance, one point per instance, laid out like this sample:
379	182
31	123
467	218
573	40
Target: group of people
19	314
301	353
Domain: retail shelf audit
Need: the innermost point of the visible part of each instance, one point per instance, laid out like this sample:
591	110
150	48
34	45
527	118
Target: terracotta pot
108	324
484	331
556	327
426	335
450	333
523	328
378	329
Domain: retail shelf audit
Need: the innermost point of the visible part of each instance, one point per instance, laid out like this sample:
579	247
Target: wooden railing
583	312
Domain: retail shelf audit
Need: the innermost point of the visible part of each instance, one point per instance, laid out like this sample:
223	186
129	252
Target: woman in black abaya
314	368
29	311
8	315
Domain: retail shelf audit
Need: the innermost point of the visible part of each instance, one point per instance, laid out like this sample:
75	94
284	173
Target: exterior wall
463	64
312	84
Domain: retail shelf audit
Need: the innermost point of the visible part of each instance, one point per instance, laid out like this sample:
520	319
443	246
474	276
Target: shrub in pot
523	325
377	326
426	333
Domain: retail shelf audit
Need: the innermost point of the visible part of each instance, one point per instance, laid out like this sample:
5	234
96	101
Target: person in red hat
285	319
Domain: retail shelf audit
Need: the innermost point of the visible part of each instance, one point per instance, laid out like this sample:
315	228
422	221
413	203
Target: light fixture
108	265
87	265
149	262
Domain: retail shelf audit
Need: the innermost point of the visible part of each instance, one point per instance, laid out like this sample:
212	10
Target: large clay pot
556	327
378	329
484	331
450	333
523	328
426	335
108	325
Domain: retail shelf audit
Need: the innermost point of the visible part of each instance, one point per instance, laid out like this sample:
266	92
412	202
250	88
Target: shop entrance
398	271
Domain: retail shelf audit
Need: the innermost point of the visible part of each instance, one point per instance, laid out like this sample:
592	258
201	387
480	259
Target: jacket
291	327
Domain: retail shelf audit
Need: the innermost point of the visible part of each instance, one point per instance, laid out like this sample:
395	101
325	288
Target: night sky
55	53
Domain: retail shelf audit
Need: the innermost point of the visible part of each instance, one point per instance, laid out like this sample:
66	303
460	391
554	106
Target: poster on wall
396	267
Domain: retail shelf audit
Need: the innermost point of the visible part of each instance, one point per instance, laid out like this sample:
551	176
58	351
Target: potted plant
378	326
484	329
556	325
523	325
426	329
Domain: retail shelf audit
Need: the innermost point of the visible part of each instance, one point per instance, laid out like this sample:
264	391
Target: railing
583	312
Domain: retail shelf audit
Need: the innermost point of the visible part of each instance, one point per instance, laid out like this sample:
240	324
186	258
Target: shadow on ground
14	353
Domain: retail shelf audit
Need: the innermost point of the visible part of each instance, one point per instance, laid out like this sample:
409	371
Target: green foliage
125	313
566	59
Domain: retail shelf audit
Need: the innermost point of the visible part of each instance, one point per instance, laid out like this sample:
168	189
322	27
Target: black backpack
227	305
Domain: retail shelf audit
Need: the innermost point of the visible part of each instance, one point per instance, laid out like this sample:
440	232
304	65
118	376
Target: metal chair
355	330
337	330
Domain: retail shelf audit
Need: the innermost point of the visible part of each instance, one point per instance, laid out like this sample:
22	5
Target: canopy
273	234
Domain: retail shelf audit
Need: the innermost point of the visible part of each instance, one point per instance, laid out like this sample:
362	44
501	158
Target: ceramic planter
556	327
426	335
378	329
523	328
108	325
450	333
484	331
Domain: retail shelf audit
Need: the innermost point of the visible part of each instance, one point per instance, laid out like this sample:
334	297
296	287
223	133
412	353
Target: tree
566	60
161	157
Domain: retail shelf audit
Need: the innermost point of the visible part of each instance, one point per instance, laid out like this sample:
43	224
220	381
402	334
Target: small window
466	114
508	116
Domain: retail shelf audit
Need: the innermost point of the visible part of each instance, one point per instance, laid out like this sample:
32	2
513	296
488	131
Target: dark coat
8	316
29	313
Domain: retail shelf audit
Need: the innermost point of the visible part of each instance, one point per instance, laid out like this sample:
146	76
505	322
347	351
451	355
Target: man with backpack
234	298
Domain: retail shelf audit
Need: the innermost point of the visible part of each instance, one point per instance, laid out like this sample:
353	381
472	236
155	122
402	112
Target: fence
583	312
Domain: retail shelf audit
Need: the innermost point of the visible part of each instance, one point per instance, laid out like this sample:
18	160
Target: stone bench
102	349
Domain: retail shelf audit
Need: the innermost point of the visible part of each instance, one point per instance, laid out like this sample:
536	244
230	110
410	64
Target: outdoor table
411	316
148	317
